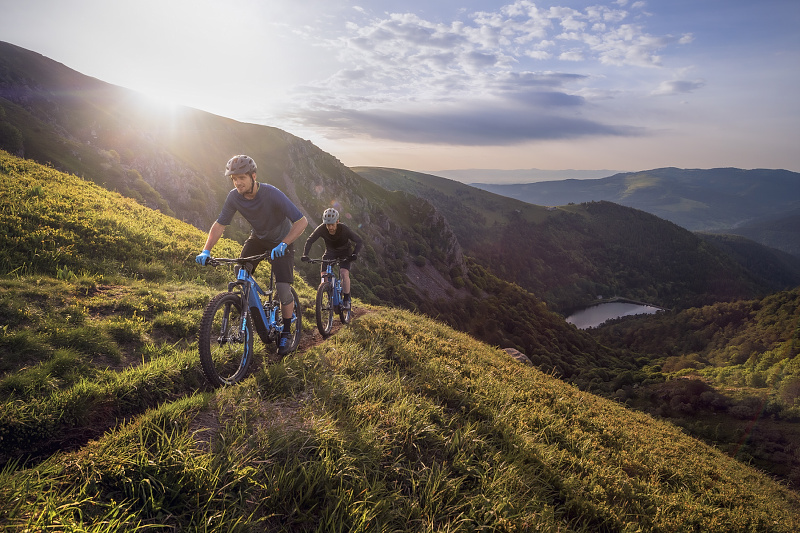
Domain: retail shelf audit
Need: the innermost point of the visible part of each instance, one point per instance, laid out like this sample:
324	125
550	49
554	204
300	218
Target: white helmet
240	164
330	216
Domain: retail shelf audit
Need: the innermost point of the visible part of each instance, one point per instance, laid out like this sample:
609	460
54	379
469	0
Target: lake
593	316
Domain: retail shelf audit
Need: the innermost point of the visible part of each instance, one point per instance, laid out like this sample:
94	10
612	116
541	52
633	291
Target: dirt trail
311	336
284	412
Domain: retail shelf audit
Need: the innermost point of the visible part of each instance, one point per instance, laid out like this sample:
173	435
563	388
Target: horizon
475	84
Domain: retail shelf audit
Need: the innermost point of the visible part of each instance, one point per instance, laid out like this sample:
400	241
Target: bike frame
232	319
265	321
329	275
329	301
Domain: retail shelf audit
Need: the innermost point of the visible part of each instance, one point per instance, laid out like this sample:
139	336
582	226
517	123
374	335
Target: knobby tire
297	323
345	314
324	309
226	352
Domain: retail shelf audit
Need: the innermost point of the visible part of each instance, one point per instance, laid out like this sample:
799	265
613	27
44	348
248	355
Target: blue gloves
278	251
202	259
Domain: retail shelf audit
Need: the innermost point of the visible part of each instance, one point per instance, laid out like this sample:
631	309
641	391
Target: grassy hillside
397	423
568	256
57	224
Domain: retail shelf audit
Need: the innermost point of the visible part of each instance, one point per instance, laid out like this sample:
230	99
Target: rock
519	356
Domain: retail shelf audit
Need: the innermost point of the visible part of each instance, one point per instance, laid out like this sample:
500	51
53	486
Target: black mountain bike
230	318
329	298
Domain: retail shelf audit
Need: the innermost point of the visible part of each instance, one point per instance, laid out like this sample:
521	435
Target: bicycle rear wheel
345	314
325	310
225	350
296	327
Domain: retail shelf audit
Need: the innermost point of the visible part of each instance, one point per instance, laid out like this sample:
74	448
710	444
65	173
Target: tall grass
57	224
397	423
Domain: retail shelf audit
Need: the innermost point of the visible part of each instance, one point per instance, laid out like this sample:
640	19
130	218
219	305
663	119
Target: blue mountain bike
329	298
230	318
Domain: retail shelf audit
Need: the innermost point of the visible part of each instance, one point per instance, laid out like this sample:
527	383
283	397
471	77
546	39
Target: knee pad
284	293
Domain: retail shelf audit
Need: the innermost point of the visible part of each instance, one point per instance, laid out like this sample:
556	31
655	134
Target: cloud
468	124
571	55
678	87
472	81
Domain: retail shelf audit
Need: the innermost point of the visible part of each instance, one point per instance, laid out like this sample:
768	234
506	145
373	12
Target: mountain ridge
718	199
571	254
498	176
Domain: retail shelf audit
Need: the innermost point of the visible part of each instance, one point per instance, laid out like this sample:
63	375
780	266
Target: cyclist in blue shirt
276	223
337	237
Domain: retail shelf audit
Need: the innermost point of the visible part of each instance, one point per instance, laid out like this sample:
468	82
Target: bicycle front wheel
325	310
226	350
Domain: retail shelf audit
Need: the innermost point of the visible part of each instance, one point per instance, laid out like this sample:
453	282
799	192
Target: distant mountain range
528	175
763	205
570	255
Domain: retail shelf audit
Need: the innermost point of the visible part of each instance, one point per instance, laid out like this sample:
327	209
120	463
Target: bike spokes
296	327
226	346
325	311
345	314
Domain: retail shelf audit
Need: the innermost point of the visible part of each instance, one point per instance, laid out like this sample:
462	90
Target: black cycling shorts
282	266
336	255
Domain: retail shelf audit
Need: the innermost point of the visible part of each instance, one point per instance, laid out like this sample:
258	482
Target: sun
162	101
157	111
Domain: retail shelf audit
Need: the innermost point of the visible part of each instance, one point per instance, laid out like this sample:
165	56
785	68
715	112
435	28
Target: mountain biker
275	224
337	237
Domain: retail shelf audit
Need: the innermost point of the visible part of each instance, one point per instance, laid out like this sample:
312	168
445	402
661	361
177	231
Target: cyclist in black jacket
337	237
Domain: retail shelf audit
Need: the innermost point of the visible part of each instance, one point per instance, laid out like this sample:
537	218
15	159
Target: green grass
57	224
397	423
80	361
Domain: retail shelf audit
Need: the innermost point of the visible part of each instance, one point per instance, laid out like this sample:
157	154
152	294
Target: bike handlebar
335	261
216	261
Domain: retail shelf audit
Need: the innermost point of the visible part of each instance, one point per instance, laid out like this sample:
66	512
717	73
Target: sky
472	84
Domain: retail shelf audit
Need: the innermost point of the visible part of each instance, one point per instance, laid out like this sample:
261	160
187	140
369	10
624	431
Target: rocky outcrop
519	356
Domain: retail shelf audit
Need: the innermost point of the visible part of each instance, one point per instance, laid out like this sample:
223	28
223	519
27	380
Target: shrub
789	393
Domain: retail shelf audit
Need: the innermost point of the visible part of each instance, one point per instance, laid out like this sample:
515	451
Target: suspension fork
334	281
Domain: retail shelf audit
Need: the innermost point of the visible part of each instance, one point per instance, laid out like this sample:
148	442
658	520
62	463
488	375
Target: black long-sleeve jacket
338	243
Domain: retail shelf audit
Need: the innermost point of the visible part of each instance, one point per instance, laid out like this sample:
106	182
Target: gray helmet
240	164
330	216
